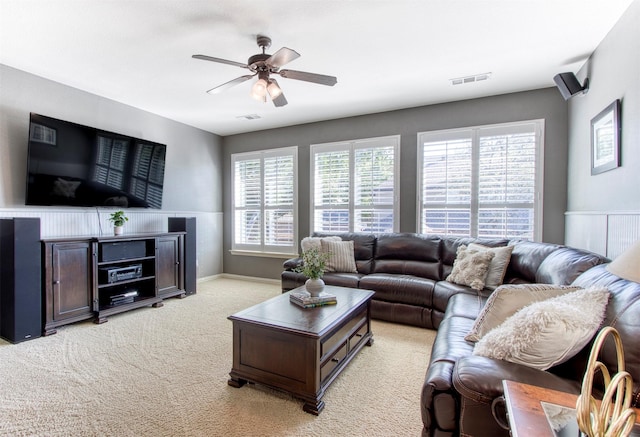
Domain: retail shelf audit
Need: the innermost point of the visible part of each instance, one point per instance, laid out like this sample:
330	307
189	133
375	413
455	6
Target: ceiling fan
263	65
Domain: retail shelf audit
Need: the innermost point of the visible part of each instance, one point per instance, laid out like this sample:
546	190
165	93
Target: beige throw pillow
507	299
314	242
545	334
470	267
498	266
341	256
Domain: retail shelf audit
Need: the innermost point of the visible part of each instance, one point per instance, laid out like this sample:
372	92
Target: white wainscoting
72	222
606	233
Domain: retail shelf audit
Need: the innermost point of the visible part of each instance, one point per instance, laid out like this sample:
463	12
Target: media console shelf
96	277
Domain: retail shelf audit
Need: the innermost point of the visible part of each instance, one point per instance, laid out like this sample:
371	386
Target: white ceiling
386	54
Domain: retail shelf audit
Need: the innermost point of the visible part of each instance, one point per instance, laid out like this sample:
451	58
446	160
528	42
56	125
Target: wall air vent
249	117
470	79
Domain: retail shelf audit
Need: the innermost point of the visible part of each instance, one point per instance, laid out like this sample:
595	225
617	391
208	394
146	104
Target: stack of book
119	299
304	300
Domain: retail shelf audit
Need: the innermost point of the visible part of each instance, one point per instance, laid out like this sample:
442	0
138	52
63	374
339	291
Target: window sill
264	254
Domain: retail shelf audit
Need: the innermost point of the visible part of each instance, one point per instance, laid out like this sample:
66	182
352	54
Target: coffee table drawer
334	340
358	336
333	362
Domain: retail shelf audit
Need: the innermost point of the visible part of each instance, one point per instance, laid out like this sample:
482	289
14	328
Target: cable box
117	274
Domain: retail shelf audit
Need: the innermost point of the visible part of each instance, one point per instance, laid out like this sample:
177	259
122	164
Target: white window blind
264	200
481	182
354	186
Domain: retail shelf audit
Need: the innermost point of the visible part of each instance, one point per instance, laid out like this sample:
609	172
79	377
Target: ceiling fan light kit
263	65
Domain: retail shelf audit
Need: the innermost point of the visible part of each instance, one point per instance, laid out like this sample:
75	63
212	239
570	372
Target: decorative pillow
314	242
470	267
498	266
507	299
341	256
545	334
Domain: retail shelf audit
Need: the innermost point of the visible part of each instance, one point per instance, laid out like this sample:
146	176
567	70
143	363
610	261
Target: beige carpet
163	372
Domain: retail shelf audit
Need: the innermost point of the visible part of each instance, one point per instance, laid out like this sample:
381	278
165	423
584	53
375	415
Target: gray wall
544	104
193	174
603	211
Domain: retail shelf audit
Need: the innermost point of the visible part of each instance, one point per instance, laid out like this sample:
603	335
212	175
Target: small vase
314	286
117	230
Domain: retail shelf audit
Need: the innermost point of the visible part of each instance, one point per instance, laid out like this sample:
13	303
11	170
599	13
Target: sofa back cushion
526	258
408	254
564	265
363	248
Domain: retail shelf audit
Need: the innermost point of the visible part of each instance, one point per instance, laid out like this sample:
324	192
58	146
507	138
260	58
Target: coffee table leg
313	407
236	382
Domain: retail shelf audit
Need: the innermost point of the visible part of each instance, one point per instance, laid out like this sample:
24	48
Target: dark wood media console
95	277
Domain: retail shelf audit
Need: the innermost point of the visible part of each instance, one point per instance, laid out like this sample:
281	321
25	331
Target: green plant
118	218
314	263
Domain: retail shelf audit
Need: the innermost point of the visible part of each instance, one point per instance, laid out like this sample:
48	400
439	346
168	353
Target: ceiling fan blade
219	60
281	57
309	77
227	85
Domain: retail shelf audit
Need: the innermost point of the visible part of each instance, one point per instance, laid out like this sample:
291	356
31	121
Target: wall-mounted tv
74	165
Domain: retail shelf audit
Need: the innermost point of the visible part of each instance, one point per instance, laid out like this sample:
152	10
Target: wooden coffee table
300	350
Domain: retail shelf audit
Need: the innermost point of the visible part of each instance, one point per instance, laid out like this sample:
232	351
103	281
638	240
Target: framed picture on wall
605	139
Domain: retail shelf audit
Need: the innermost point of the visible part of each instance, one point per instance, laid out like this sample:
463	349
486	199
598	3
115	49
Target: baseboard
242	278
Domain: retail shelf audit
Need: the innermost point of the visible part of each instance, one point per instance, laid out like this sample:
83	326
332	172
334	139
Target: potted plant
118	219
314	263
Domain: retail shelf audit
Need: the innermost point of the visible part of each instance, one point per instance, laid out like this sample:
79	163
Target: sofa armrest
292	264
480	378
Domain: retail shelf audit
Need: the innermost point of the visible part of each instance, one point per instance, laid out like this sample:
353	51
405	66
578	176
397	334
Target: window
264	201
482	181
354	187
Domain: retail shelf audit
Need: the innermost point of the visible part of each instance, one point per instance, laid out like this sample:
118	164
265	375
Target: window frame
351	146
475	133
264	249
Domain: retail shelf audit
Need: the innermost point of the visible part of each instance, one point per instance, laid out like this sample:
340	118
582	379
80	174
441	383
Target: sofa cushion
498	265
549	332
526	259
564	265
405	289
341	257
507	300
470	267
408	254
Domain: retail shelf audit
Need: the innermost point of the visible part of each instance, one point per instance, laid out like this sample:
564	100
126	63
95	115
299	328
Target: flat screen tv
74	165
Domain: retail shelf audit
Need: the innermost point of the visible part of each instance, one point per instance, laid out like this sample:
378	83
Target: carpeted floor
163	372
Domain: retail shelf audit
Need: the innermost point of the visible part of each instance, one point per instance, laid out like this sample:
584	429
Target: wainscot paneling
606	233
95	222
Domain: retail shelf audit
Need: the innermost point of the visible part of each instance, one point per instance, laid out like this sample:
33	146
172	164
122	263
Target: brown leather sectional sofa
408	271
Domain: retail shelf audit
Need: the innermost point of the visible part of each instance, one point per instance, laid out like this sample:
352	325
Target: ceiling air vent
470	79
249	117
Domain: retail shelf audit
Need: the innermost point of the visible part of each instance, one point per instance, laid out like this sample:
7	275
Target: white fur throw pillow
498	266
507	299
545	334
341	256
470	267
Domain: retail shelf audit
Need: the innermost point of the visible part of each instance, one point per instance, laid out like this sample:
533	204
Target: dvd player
117	274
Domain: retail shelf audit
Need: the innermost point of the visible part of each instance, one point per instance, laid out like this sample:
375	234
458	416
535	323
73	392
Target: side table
527	415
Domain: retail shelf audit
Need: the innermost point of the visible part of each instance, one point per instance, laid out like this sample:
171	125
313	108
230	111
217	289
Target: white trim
249	278
263	254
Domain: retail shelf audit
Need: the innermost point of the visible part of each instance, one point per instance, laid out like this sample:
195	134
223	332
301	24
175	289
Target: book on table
305	300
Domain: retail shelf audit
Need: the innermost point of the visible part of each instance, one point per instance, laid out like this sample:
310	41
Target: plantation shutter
481	182
354	186
264	198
